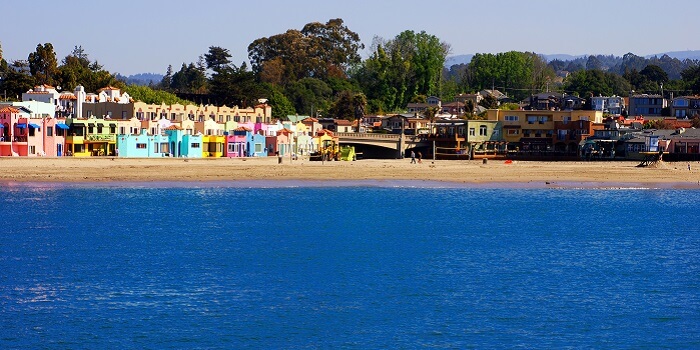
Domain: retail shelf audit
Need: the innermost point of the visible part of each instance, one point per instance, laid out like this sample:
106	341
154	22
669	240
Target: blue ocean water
206	267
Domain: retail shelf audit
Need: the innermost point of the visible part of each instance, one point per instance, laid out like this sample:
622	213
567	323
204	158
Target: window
99	128
482	130
228	118
531	119
32	149
49	131
258	148
112	129
194	145
542	119
680	113
78	148
231	147
123	114
511	118
172	116
472	132
566	120
496	133
165	147
141	146
513	132
583	117
139	115
236	118
60	132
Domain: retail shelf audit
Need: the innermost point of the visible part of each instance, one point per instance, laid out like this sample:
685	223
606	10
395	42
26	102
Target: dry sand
496	173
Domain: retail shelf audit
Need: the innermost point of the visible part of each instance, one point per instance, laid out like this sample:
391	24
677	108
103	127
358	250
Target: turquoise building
143	145
181	144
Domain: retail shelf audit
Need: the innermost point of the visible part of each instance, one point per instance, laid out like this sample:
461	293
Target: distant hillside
680	55
459	59
144	79
673	63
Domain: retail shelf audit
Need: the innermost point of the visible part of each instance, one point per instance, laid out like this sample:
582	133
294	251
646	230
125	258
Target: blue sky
137	36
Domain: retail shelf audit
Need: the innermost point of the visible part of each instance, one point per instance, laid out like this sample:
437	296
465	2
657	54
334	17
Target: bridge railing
377	136
364	135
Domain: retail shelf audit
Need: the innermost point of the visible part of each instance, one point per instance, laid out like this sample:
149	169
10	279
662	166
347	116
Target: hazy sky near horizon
142	36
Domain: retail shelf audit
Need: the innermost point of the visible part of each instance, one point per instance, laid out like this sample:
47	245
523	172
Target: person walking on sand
420	157
413	157
688	166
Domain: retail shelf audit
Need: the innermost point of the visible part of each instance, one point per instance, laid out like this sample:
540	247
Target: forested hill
673	63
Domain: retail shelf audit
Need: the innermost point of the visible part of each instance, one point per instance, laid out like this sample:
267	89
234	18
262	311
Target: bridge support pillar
400	147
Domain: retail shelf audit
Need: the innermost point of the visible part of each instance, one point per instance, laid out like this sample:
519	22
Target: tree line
318	71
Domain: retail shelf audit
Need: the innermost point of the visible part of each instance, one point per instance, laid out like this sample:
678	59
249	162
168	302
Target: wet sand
362	172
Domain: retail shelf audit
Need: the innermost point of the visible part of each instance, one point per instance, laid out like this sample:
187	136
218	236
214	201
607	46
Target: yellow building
536	129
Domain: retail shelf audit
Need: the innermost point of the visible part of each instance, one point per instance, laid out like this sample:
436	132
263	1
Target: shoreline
371	172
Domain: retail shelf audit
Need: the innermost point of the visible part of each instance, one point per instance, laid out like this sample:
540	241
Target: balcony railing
104	138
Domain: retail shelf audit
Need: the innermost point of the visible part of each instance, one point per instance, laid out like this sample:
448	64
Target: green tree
318	50
596	82
281	106
15	79
76	69
349	105
489	102
309	95
167	81
691	76
43	65
149	95
398	69
217	58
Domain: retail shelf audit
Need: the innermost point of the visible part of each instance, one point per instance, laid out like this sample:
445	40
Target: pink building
21	136
237	143
54	134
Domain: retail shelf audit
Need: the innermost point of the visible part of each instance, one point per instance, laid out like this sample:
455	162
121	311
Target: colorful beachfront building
183	144
255	144
91	137
237	142
213	138
535	130
143	145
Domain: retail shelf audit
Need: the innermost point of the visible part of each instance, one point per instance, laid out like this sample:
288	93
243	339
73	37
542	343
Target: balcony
100	138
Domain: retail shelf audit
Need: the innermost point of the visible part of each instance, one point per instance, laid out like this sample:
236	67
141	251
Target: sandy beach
566	174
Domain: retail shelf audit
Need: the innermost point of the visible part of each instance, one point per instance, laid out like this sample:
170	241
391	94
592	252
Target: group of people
419	157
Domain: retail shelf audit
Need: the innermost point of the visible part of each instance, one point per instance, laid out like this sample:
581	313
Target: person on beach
688	166
413	157
279	157
420	157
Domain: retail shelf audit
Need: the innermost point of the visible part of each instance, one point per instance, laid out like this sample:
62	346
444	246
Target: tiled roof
9	109
67	97
173	127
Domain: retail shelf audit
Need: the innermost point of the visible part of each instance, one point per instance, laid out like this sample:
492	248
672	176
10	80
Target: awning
34	126
62	126
21	125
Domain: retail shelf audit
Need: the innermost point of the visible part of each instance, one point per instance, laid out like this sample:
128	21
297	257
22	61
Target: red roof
9	109
173	127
